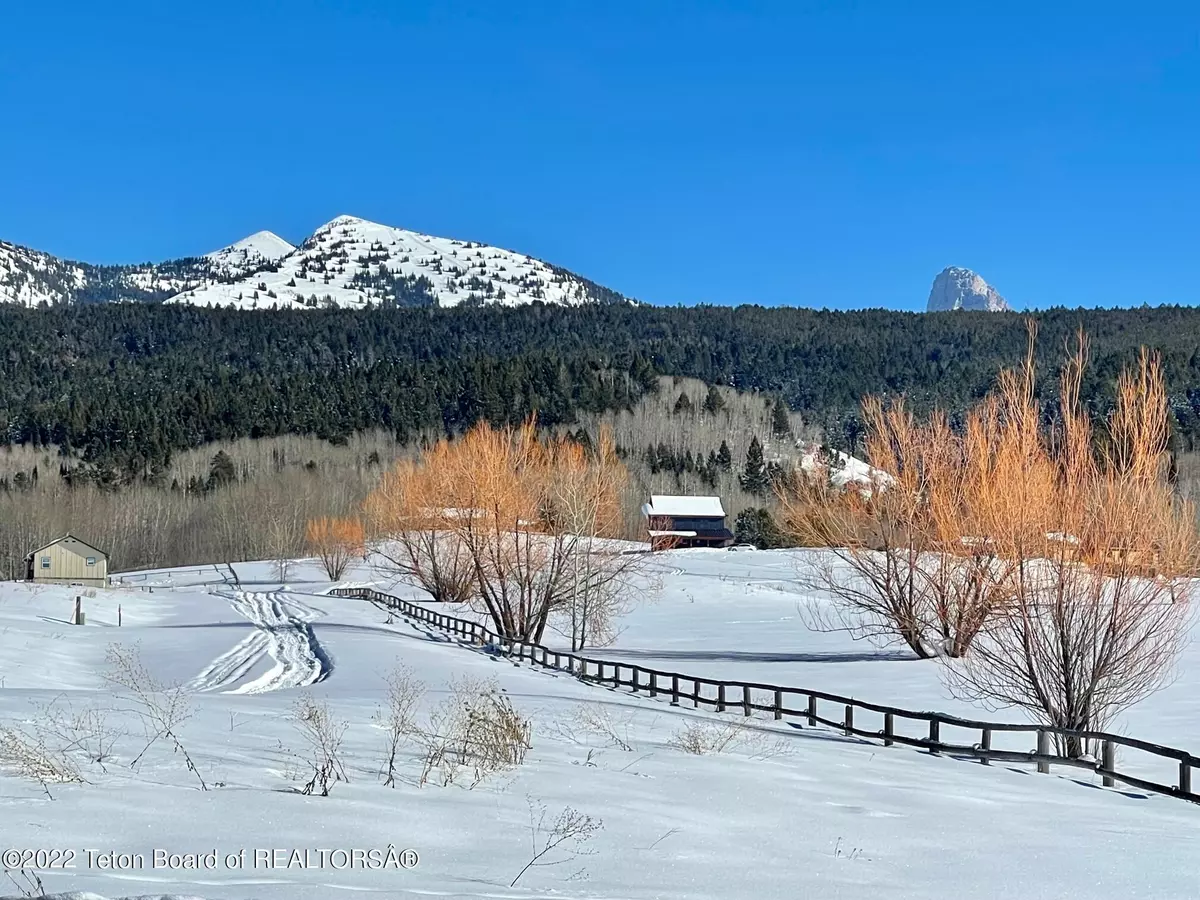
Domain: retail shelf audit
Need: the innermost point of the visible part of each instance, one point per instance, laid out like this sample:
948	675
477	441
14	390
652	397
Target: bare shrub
162	708
702	737
475	732
397	717
27	881
27	755
323	734
598	720
87	730
559	841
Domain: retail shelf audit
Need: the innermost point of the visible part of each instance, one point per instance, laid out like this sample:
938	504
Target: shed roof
66	537
670	505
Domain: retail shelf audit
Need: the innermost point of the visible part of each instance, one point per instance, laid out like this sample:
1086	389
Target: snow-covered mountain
251	253
958	288
348	262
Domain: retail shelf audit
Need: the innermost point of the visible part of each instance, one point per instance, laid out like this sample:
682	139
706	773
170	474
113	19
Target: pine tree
725	457
713	402
683	404
754	476
781	426
757	526
222	471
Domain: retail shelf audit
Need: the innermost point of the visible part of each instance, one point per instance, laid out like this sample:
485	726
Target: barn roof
671	505
66	537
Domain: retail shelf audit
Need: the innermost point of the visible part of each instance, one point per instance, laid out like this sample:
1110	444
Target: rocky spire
957	288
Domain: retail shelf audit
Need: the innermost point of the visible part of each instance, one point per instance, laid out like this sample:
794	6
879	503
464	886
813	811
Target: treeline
121	388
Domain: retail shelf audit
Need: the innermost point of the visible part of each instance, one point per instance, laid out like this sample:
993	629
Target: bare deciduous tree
407	513
1103	557
527	521
335	541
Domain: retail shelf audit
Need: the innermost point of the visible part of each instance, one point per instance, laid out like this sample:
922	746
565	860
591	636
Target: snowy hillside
250	254
841	468
348	262
783	812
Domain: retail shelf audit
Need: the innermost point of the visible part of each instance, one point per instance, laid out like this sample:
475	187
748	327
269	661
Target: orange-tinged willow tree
335	541
1056	561
519	527
1101	555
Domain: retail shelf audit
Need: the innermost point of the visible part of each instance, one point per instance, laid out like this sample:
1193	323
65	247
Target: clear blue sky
828	154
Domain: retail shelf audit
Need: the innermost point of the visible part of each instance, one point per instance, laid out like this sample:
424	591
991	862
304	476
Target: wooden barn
674	521
67	560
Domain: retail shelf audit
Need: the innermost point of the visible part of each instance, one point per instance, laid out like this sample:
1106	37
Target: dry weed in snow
476	730
323	732
396	717
560	841
704	737
162	708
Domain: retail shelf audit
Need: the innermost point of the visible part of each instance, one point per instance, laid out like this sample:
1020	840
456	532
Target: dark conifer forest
118	388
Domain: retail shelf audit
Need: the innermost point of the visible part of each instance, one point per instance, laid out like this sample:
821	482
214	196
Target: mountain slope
348	262
250	253
356	263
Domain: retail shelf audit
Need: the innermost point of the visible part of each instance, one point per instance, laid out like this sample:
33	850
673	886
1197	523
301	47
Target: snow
348	262
807	813
684	507
848	470
325	267
250	252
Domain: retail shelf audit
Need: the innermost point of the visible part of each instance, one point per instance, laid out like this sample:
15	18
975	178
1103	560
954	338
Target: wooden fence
813	707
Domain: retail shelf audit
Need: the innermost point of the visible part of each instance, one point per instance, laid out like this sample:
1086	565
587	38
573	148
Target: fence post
935	735
721	697
746	700
674	689
778	704
634	677
849	723
1108	763
695	694
653	685
812	709
985	745
1185	776
889	729
1043	749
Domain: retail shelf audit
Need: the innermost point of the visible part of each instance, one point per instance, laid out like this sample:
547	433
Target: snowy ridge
348	262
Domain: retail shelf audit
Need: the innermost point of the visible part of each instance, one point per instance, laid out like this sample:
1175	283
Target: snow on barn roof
668	505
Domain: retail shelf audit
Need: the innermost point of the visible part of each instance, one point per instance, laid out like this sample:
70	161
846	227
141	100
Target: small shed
67	560
683	521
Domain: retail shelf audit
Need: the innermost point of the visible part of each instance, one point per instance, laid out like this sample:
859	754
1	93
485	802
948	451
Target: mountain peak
348	262
959	288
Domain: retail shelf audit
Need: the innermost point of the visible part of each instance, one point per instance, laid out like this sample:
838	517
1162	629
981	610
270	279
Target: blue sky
833	154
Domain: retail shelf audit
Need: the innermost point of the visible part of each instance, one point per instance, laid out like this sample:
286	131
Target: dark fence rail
748	698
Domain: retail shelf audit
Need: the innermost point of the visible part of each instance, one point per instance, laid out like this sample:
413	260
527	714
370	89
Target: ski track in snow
283	632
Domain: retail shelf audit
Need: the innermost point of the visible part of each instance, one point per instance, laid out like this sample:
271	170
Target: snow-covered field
797	812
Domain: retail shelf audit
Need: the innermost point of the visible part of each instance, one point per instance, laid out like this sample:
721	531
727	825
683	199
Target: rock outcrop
957	288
